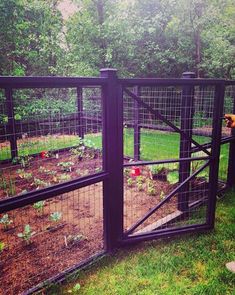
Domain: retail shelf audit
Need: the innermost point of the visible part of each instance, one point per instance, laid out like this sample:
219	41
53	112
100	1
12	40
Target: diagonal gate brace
162	118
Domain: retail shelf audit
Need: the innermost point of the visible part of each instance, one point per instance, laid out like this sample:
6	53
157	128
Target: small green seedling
23	174
6	221
73	239
55	216
162	195
2	246
173	177
66	166
40	183
64	177
130	182
39	206
151	191
27	234
127	172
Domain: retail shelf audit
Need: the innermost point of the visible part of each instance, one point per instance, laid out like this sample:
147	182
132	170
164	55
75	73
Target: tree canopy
144	38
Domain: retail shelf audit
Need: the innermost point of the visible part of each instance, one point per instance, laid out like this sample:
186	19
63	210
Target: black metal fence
91	164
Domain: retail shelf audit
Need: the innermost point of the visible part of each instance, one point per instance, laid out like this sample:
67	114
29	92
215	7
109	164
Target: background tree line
150	38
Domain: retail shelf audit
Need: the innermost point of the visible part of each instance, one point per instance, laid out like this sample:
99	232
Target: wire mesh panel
41	240
229	99
173	122
57	138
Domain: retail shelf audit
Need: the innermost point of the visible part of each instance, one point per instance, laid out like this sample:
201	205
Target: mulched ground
54	248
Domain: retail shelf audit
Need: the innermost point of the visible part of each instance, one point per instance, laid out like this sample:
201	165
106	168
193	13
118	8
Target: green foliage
151	191
23	174
2	246
173	177
130	182
39	206
55	216
65	177
27	234
24	161
66	166
164	39
6	221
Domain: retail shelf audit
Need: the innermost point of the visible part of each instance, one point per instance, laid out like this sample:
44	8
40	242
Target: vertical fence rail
185	144
215	151
113	157
80	127
136	126
231	161
11	123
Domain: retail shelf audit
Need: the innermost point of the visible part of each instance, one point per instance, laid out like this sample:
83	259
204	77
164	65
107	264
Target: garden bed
67	229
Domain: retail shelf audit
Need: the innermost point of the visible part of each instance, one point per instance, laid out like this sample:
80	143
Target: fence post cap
188	75
108	70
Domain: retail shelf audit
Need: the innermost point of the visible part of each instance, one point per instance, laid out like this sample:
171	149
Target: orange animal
229	120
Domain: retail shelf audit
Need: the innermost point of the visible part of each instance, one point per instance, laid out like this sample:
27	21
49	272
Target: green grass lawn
155	145
192	264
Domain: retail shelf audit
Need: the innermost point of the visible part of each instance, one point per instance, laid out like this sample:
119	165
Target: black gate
172	189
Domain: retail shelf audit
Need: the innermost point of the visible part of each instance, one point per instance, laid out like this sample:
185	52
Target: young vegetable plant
39	206
151	191
130	182
27	234
55	216
23	174
162	195
66	166
173	177
73	239
2	246
6	221
139	183
64	177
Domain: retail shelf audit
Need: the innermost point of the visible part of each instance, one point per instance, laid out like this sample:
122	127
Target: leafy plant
73	239
2	246
46	171
151	191
64	177
55	216
27	234
173	177
6	221
130	182
11	191
162	195
39	206
78	151
66	166
127	172
40	183
24	161
156	169
23	174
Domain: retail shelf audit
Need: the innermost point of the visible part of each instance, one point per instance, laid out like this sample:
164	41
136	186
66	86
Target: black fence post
136	127
80	127
215	152
185	143
112	159
231	159
11	123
